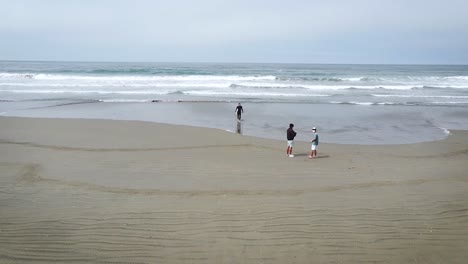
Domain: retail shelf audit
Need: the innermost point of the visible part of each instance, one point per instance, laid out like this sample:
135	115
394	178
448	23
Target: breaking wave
359	85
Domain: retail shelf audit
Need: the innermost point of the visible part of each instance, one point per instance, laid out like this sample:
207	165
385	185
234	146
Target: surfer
239	111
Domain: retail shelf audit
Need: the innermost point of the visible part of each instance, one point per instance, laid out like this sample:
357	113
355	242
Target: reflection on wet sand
239	127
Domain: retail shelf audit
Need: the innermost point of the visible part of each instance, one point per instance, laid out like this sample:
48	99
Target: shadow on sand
307	155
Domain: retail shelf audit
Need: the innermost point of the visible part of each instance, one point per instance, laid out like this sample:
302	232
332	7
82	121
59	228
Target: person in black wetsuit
239	111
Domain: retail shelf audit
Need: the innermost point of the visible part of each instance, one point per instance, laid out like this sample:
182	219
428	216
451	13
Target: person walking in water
315	142
290	134
239	111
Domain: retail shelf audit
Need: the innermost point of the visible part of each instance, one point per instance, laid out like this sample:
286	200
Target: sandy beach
100	191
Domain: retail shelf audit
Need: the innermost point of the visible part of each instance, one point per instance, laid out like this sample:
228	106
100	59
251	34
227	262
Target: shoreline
362	125
447	131
89	190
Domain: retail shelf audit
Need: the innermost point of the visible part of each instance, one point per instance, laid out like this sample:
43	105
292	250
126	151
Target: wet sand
95	191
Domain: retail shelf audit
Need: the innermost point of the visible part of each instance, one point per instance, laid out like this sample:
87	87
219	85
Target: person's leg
239	116
312	150
291	145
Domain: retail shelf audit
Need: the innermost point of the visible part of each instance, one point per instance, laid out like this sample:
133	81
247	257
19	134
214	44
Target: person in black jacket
290	134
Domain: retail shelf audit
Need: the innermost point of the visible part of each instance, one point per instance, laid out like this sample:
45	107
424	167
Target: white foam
326	87
352	79
7	75
250	94
362	103
446	131
386	103
364	87
123	101
207	84
87	92
421	96
463	78
221	85
62	77
450	102
352	102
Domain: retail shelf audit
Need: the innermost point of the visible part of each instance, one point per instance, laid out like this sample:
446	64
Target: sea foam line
257	94
166	92
224	84
421	96
41	76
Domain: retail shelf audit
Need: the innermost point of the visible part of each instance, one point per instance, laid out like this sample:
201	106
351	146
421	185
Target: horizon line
225	62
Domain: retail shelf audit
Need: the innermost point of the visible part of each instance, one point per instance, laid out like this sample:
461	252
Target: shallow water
356	124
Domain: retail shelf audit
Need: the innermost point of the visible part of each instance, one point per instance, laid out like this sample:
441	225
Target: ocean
359	104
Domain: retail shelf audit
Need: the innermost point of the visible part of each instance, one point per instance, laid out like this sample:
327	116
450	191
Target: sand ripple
125	228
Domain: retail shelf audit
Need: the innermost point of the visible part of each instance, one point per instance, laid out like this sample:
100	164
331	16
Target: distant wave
399	103
41	76
224	97
120	71
206	84
251	94
126	75
201	85
464	78
322	87
421	96
372	103
319	79
374	79
449	103
365	103
227	84
124	100
267	86
135	84
252	82
178	92
333	79
351	103
440	87
149	92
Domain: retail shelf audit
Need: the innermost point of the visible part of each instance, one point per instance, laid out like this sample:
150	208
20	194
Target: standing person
315	142
239	111
290	134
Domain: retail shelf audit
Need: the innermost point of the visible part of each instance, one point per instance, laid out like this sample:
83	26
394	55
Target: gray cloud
357	31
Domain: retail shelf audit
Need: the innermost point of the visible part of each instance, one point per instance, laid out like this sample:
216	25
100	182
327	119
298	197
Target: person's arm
242	108
315	138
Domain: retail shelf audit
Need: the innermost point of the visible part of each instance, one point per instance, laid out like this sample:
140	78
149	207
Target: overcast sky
293	31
